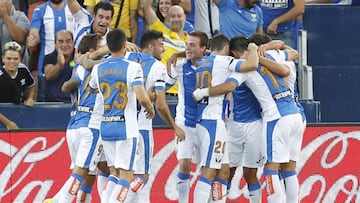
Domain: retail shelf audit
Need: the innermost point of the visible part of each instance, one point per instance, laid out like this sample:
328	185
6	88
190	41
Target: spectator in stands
127	21
279	18
98	23
9	124
162	12
48	19
15	77
28	6
240	17
174	37
14	26
202	16
58	67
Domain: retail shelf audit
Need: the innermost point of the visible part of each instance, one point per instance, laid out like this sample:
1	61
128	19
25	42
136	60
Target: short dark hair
115	40
89	41
149	36
239	44
105	6
204	40
218	42
66	31
259	39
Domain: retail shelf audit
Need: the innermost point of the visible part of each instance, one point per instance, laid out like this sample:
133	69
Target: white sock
135	187
70	188
183	187
119	193
291	186
101	181
84	194
108	188
273	187
202	190
219	190
255	193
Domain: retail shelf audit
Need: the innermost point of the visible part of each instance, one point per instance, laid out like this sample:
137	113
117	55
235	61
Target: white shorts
190	147
213	146
121	153
296	141
278	136
244	143
84	147
144	152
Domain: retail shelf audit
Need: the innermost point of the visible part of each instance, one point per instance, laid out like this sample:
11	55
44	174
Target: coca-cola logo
35	165
20	166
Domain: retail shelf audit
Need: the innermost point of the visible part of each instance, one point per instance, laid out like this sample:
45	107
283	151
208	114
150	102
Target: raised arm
149	14
74	6
252	60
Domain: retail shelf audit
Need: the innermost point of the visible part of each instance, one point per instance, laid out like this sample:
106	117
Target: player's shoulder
180	63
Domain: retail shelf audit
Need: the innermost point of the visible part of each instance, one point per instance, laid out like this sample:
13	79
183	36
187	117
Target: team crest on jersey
253	17
70	18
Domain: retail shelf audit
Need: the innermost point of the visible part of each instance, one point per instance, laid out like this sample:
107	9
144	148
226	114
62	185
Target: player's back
90	106
116	76
278	87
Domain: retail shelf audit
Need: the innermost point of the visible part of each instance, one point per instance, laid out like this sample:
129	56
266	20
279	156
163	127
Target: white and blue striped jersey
49	21
186	108
213	70
115	79
154	76
279	89
90	106
84	22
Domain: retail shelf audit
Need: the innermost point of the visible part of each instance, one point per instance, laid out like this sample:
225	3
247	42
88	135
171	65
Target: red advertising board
34	165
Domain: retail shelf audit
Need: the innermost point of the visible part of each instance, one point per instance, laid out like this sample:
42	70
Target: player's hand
252	47
198	94
132	47
150	113
262	50
179	133
272	28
